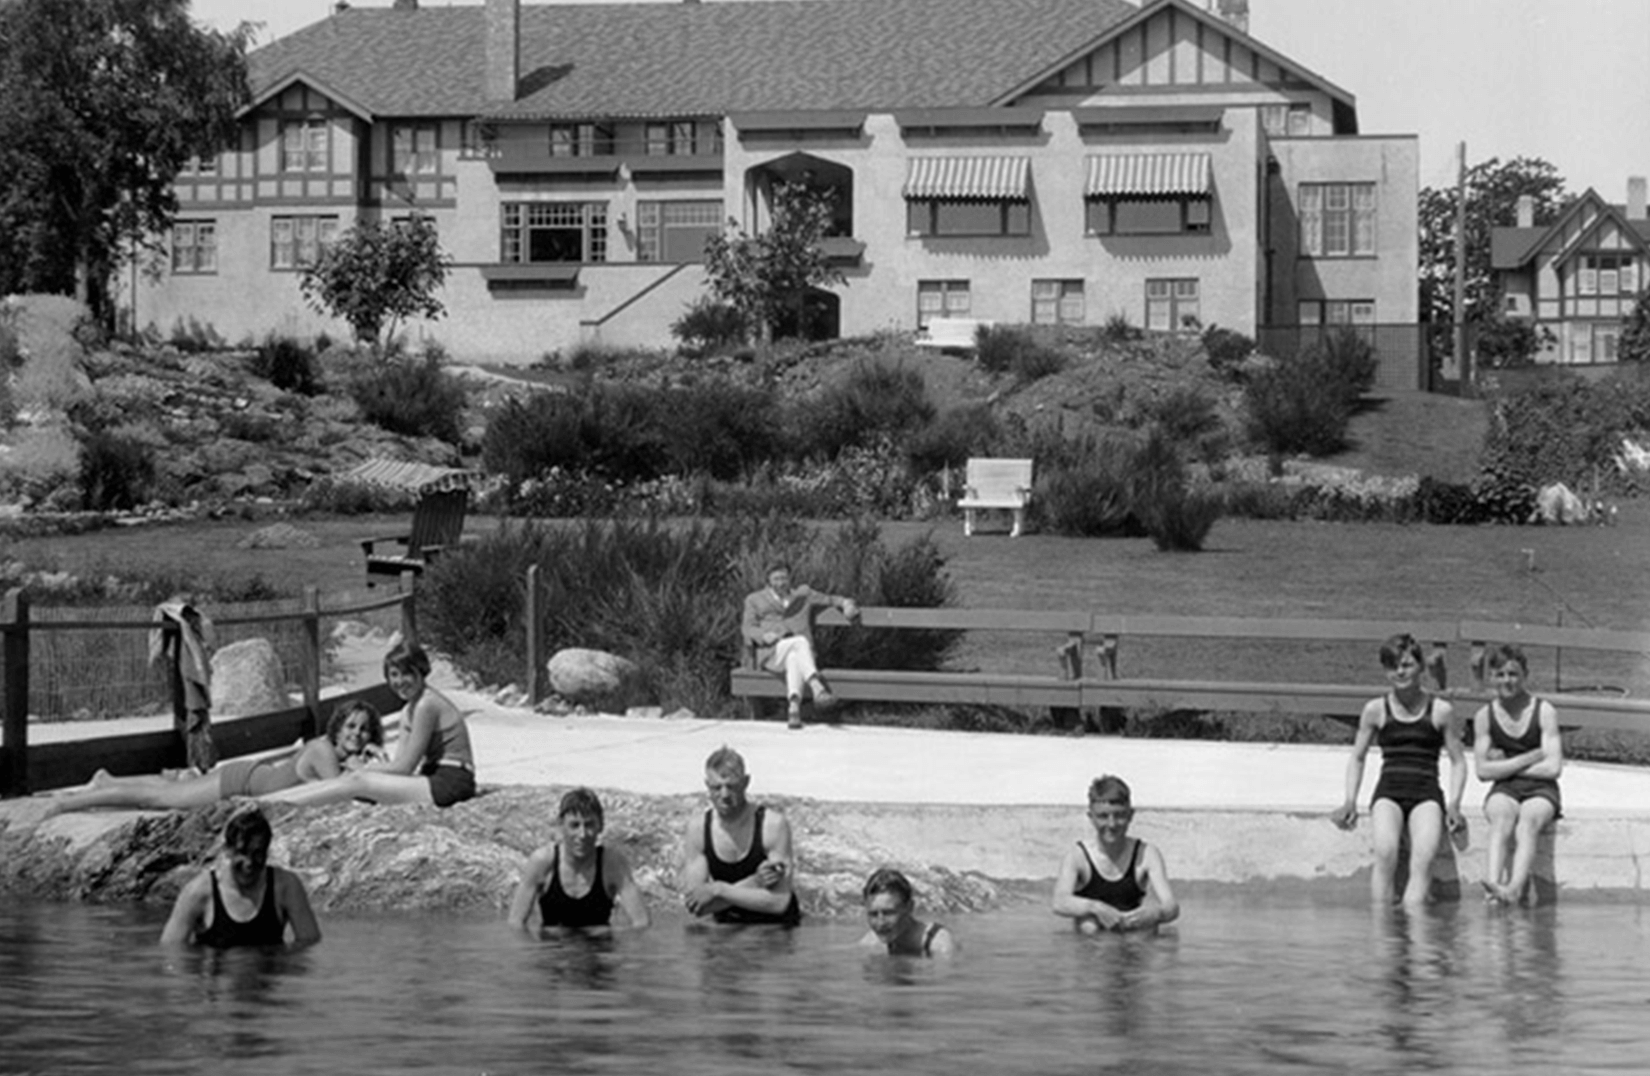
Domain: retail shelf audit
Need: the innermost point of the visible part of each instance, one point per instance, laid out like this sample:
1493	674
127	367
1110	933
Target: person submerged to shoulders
736	859
1119	884
241	900
576	882
890	914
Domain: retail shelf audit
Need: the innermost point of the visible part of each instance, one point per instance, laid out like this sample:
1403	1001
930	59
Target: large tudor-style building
1010	160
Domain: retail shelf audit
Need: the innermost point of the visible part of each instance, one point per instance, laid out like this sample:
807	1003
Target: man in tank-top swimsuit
1123	893
558	909
731	873
1521	787
266	928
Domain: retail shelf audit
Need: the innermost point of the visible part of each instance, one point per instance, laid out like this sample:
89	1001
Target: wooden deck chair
437	523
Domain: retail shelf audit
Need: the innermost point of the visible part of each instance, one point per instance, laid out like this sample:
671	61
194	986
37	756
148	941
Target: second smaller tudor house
1577	277
1012	160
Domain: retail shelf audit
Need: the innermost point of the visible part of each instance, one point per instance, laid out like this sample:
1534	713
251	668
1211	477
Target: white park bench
951	334
1002	485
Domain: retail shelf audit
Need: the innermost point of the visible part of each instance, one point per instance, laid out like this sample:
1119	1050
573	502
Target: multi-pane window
945	216
1333	314
681	138
1607	274
580	140
1148	216
553	232
201	166
942	299
413	150
477	141
1337	219
195	246
1057	302
297	241
1172	305
1290	119
676	231
304	146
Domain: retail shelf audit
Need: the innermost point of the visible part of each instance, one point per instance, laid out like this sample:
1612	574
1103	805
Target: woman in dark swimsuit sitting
889	909
575	882
1121	883
1411	725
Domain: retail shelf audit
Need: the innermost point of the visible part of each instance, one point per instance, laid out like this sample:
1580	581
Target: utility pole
1463	361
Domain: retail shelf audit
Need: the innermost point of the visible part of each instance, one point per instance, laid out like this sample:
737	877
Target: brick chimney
503	49
1635	198
1235	12
1526	211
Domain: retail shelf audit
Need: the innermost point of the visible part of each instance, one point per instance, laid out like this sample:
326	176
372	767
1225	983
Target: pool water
1243	985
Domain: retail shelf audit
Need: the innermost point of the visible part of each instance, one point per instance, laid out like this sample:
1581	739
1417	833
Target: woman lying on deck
432	764
354	737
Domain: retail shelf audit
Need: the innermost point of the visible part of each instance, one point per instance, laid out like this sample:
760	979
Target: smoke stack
503	49
1635	198
1526	211
1235	12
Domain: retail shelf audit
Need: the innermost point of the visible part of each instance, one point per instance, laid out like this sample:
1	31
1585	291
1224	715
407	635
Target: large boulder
247	679
596	679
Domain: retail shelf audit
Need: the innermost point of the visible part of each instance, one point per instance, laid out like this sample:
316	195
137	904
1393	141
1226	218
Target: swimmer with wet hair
1518	747
1411	725
354	737
576	881
241	901
1118	883
889	911
736	859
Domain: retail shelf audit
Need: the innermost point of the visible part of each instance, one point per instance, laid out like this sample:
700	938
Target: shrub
709	327
1508	343
1227	350
1352	361
11	357
1177	517
1304	403
1117	330
411	396
1447	502
116	472
1008	349
287	364
1189	416
669	597
952	438
190	335
876	399
1082	489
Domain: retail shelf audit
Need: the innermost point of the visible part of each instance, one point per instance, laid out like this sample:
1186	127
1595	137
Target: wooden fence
25	768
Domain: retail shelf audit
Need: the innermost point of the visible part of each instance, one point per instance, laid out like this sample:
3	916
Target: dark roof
687	59
1512	248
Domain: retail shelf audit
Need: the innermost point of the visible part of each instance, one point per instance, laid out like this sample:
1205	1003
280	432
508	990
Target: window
195	246
1148	216
413	150
1329	315
1290	119
1337	220
941	299
1172	305
1607	274
304	145
580	140
477	141
675	231
683	138
201	166
295	242
935	216
1057	302
553	232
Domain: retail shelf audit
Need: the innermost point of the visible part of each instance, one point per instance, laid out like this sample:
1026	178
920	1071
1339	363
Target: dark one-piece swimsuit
1123	893
264	929
737	872
1521	786
1409	760
594	909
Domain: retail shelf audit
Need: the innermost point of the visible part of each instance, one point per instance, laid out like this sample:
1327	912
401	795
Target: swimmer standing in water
1119	884
241	901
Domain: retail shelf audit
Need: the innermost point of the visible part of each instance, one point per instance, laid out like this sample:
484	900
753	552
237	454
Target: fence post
409	613
1070	655
531	612
14	696
312	660
172	633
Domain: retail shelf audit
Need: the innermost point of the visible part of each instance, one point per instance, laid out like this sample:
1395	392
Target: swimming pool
1245	985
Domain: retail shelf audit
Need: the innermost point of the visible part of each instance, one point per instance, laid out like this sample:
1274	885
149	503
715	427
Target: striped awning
1148	173
407	475
1000	179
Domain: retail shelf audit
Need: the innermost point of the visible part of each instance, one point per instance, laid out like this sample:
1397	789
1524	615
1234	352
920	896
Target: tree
1493	188
377	275
1634	345
767	277
102	103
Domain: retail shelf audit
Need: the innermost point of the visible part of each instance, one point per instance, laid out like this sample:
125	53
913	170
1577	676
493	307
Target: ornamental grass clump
1304	403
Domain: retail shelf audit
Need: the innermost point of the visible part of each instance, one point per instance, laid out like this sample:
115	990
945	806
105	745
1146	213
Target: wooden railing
1105	684
25	768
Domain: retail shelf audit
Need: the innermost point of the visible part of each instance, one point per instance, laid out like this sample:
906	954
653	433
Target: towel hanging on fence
195	638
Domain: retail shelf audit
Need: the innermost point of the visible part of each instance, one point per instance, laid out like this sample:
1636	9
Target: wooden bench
993	484
951	334
1069	692
437	524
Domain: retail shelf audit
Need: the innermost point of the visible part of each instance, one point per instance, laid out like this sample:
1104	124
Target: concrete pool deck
1007	806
